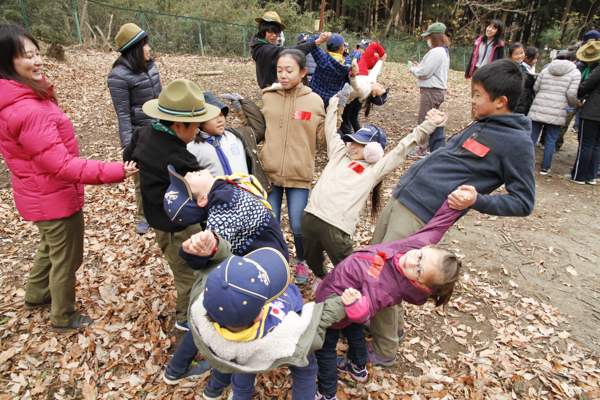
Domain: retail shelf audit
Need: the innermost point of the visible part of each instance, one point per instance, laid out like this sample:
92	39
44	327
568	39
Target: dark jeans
552	132
327	355
588	153
185	354
296	202
350	120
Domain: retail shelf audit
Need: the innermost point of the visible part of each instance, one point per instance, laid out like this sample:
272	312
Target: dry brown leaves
492	342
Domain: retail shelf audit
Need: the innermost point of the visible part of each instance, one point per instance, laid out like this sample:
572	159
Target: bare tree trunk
310	5
563	20
337	8
395	9
593	11
417	15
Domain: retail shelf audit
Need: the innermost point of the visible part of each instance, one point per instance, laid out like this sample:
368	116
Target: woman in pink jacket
39	147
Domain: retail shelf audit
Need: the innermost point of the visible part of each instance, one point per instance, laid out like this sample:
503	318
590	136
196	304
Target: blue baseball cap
179	203
210	98
367	134
380	100
336	39
239	287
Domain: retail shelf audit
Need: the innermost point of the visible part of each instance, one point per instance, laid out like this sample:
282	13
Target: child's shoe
375	359
544	171
319	396
213	390
301	270
172	377
142	228
182	326
347	366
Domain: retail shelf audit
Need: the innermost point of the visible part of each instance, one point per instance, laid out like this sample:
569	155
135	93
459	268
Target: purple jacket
390	286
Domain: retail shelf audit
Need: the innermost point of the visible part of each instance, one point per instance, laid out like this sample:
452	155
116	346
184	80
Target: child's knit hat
179	204
237	290
374	140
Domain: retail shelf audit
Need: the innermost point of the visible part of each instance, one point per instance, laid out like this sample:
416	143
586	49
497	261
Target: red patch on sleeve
476	147
376	265
302	115
356	167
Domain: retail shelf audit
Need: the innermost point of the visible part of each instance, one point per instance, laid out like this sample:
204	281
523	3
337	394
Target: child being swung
376	277
353	170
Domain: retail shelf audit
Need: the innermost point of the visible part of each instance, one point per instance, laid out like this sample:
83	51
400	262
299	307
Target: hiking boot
374	359
34	306
213	390
142	228
301	270
415	154
320	396
172	377
182	326
570	179
80	322
347	366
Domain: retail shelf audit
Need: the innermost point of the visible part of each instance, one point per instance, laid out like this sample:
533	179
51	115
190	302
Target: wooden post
321	23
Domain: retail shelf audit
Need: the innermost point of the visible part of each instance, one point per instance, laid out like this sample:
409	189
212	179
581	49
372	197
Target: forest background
225	27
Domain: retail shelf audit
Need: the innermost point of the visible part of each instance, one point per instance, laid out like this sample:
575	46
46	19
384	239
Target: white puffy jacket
556	89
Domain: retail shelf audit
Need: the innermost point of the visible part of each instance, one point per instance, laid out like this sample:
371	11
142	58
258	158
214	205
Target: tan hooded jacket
295	121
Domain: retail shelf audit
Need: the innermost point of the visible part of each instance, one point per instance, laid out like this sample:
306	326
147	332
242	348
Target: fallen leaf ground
522	324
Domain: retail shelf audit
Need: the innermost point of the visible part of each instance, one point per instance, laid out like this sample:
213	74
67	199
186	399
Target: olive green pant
184	276
396	222
138	198
58	258
319	236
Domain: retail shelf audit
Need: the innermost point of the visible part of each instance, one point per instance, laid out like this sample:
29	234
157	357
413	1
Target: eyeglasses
417	267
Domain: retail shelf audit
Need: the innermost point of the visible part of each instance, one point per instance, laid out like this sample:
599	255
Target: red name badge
476	147
356	167
302	115
376	265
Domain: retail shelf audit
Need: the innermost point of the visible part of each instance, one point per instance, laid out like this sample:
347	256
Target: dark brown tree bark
396	6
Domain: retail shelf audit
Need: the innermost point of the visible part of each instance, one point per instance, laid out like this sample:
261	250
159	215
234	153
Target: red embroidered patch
476	147
356	167
376	265
302	115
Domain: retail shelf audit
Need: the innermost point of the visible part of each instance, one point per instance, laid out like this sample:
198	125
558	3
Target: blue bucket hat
367	134
380	100
210	98
179	203
239	287
336	40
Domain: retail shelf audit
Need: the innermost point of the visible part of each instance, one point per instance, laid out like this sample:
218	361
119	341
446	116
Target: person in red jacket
370	56
39	147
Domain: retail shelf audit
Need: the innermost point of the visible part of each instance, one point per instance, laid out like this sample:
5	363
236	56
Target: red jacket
40	150
369	58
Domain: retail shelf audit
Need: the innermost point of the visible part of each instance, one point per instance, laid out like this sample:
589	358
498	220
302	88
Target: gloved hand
235	100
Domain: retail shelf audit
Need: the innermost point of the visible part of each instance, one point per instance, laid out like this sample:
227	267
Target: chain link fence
95	24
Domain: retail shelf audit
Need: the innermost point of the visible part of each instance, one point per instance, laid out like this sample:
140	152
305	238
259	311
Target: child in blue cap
354	169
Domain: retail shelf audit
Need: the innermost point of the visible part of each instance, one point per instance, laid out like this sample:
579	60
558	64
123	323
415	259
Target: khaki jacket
295	122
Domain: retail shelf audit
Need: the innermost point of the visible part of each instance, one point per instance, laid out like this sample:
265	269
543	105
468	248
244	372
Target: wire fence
95	24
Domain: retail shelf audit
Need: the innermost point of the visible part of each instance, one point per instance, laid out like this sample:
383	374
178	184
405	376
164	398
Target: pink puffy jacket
39	147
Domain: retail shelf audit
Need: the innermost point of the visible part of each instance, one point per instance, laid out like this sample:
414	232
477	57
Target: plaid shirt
330	76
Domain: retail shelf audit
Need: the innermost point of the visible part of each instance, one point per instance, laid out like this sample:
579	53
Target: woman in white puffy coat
556	89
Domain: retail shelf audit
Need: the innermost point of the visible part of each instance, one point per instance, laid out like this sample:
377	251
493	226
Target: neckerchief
215	141
163	128
338	57
587	70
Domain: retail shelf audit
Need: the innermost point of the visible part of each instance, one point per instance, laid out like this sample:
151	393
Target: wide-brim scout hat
128	35
589	52
181	101
438	27
271	16
179	203
237	290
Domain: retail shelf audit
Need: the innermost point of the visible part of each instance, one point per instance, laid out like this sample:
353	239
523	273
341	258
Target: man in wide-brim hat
179	109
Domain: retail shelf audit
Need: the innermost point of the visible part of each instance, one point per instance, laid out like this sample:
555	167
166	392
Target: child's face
491	31
483	106
377	90
289	73
356	151
518	55
422	266
271	37
200	182
215	126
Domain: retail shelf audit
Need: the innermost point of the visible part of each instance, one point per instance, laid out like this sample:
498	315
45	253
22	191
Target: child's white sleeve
375	71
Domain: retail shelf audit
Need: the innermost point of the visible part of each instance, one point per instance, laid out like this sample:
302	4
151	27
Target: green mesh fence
96	24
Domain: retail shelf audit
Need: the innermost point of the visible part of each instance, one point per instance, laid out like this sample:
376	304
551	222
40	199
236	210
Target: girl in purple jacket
380	276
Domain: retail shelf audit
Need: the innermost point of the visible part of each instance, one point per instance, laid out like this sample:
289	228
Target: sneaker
347	366
544	171
414	154
591	182
316	283
568	177
374	359
320	396
142	228
80	322
172	377
34	306
213	391
301	270
182	326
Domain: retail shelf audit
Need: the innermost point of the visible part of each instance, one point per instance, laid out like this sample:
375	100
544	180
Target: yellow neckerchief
248	334
338	57
249	183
